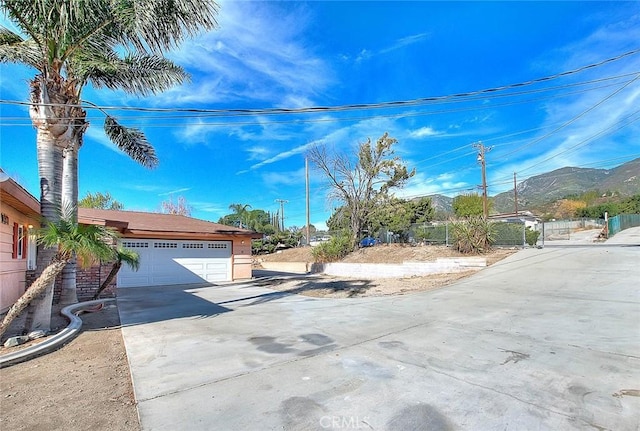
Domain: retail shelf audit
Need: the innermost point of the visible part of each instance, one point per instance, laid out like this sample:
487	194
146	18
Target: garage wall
242	259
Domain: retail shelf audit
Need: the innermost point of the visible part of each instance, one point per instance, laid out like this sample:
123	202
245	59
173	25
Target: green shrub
431	234
271	243
334	249
473	235
531	236
508	233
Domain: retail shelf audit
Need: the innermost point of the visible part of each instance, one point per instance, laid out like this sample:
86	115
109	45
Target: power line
228	122
575	118
349	107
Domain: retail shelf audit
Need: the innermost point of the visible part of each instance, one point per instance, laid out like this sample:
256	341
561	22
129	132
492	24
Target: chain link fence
505	234
564	229
509	233
622	222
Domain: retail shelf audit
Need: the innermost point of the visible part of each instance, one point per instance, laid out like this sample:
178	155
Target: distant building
526	217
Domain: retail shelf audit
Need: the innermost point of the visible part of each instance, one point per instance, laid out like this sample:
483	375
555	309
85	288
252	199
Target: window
19	242
193	245
132	244
165	245
218	245
31	251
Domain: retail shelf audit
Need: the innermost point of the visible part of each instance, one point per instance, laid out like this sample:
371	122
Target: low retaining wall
405	269
292	267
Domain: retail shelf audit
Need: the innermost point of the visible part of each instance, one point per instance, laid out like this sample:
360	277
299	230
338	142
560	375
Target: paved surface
545	340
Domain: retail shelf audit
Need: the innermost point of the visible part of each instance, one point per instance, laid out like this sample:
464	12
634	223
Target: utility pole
482	151
306	170
515	192
282	202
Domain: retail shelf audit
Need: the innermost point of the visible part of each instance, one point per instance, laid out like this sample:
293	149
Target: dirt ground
86	384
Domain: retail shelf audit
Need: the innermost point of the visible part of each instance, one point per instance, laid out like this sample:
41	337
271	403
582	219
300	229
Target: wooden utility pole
482	151
515	192
306	171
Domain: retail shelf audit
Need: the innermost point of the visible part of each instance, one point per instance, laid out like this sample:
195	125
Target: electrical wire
349	107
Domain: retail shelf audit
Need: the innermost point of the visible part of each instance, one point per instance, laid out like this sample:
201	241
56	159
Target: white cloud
251	58
281	156
421	185
143	187
194	132
176	191
257	152
405	41
398	44
424	132
209	207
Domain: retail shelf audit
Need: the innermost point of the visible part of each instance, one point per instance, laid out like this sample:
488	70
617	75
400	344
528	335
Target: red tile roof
145	224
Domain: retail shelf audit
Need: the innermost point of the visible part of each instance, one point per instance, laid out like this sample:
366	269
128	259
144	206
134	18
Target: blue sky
308	54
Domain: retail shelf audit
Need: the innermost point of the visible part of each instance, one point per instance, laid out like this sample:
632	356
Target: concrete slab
544	340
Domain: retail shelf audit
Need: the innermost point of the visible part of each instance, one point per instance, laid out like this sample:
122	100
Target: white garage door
165	262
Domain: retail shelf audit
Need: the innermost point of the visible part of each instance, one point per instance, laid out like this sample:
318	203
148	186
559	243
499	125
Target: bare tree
362	183
180	207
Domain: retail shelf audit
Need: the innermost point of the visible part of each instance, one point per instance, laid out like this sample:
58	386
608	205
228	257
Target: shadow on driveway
306	284
140	305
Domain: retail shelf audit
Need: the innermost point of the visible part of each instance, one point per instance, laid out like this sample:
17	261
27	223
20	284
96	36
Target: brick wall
88	281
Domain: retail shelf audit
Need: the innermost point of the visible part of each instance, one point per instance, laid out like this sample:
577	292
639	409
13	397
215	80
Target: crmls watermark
344	422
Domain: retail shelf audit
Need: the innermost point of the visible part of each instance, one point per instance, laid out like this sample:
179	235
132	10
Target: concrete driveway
544	340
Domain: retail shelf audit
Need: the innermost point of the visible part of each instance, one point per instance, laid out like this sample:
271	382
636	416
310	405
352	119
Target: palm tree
122	255
241	212
67	239
105	43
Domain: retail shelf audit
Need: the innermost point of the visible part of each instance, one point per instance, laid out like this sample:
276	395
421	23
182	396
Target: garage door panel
165	262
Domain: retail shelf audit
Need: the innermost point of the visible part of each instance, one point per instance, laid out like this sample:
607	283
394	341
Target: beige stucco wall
241	258
12	271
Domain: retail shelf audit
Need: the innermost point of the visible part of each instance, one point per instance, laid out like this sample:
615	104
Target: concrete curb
55	341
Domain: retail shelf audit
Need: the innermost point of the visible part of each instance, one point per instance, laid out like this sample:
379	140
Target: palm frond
135	74
132	142
88	242
159	25
129	257
13	49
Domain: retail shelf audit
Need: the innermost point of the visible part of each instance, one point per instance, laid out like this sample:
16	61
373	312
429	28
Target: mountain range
537	191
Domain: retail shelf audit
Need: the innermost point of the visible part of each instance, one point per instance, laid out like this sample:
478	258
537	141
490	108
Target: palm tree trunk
112	274
52	125
41	284
68	294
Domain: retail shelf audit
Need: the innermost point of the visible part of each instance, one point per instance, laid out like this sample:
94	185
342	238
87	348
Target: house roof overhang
16	196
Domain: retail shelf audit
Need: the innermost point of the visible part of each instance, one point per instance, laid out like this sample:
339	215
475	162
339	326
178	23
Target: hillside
442	204
534	192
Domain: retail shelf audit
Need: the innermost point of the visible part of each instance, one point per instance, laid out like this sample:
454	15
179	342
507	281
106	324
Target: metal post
446	233
515	192
306	169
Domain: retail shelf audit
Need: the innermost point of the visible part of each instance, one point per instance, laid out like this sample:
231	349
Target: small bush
473	235
334	249
508	233
531	236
